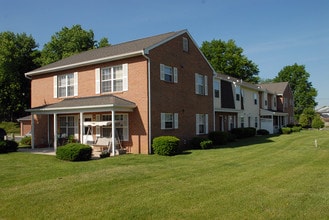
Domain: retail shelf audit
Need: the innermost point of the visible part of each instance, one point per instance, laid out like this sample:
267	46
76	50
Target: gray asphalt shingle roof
87	102
278	88
97	55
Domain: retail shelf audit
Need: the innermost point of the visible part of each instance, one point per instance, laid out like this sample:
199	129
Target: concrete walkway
51	151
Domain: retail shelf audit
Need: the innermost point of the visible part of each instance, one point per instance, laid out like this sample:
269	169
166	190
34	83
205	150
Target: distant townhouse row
138	90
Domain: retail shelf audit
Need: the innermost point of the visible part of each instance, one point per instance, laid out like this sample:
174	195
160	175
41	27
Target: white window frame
216	89
112	79
65	123
168	73
66	82
185	44
169	121
201	84
201	122
255	99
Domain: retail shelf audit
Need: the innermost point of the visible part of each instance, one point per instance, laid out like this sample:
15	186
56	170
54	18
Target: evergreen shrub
26	140
206	144
218	137
166	145
74	152
7	146
263	132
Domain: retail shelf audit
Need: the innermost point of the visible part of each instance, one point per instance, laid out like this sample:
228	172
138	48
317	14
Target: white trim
205	81
175	120
125	77
175	75
162	72
55	86
97	80
76	80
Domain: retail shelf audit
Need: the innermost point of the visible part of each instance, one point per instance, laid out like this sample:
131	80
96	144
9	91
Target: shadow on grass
247	141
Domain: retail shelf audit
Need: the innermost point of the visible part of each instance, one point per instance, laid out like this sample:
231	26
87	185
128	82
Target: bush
207	144
8	146
218	137
195	142
296	128
244	132
286	130
26	140
263	132
74	152
166	145
2	134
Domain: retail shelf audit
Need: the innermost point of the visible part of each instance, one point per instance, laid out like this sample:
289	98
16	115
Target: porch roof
86	104
274	113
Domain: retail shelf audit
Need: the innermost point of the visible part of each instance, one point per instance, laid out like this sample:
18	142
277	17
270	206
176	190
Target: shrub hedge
207	144
286	130
26	140
166	145
218	137
7	146
74	152
263	132
244	132
196	141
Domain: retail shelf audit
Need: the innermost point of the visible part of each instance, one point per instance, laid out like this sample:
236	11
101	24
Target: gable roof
94	103
278	88
110	53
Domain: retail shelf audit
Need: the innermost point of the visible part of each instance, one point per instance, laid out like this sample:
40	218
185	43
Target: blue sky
273	33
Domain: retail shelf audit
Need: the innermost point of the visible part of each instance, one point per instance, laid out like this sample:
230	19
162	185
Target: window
216	89
256	122
111	79
66	126
169	121
66	85
255	98
265	102
121	125
201	84
185	44
237	93
201	123
242	122
274	101
168	73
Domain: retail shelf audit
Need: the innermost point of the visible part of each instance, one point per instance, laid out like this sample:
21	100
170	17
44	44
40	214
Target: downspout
149	101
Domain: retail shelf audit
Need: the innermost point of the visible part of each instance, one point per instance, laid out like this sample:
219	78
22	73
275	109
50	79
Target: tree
67	42
304	93
317	122
17	55
305	119
227	58
103	42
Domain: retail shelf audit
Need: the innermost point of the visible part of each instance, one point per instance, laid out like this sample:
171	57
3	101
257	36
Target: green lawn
280	177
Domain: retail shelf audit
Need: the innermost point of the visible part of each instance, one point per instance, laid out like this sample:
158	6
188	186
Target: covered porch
73	118
273	120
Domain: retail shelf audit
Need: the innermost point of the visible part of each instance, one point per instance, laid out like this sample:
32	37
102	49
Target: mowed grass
278	177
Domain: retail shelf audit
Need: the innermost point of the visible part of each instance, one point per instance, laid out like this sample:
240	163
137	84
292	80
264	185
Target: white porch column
32	131
55	131
113	132
81	127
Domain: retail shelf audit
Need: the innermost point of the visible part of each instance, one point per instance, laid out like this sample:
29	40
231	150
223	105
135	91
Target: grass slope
281	177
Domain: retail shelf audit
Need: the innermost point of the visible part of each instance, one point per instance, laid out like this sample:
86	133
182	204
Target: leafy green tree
227	58
67	42
305	119
317	122
103	42
304	93
17	55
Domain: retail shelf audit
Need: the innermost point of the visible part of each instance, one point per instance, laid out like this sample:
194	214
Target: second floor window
168	73
216	89
112	79
66	85
201	84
